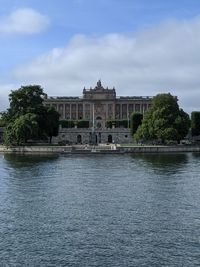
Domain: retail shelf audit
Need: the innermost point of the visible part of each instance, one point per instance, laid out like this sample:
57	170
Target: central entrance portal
95	138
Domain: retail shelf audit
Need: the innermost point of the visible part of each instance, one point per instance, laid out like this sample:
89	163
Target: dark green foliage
182	124
67	123
110	123
195	123
27	99
27	117
72	123
23	128
9	136
118	123
136	121
52	123
164	120
2	119
83	124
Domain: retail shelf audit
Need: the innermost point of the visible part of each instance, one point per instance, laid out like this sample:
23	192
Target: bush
67	123
117	123
83	124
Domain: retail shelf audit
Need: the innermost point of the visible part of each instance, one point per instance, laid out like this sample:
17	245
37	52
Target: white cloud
24	21
165	58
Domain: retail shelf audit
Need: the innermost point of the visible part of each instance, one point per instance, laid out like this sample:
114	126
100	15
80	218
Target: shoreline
100	149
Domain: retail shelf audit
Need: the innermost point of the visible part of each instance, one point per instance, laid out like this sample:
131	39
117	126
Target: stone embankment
160	149
103	148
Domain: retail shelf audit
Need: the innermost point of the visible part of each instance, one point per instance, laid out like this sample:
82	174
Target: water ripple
104	210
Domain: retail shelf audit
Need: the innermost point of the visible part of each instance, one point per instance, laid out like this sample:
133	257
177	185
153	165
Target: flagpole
93	118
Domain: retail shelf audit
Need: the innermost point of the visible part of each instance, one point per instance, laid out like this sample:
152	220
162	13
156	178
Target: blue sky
142	47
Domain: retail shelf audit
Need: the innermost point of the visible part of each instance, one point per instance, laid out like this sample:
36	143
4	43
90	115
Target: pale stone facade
97	105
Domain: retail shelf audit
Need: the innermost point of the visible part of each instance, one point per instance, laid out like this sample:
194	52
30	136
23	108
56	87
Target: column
120	111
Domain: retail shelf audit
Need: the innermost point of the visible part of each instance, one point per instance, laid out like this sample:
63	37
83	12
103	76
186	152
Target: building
98	105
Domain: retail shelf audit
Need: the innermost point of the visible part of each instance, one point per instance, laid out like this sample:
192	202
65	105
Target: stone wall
85	136
101	148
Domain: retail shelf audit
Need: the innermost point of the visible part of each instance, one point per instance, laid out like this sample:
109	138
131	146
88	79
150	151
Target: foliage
23	128
72	123
136	121
117	123
67	123
83	124
27	99
2	119
182	124
8	135
27	117
195	123
164	120
52	123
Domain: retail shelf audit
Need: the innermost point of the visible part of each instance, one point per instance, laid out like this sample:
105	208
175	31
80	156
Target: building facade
98	105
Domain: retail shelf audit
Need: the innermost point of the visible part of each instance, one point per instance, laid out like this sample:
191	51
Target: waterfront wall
35	149
82	149
159	149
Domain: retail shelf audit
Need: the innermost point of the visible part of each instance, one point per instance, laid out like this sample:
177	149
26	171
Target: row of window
75	111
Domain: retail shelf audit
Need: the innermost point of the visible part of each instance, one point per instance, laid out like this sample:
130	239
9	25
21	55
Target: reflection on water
164	162
20	160
100	210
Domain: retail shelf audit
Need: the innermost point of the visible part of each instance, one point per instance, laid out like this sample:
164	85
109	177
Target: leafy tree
24	127
2	119
182	124
8	135
195	123
27	117
27	99
136	121
164	120
52	123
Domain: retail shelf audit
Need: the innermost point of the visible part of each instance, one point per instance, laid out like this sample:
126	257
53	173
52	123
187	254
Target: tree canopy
27	99
164	120
136	121
195	123
27	117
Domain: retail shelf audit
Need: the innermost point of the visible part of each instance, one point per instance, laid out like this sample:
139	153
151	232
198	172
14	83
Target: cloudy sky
142	47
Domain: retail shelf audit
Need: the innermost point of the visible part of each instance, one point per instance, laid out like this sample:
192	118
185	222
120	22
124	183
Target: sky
141	47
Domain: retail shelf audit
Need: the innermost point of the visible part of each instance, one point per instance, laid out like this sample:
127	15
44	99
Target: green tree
182	124
27	117
52	123
27	99
195	123
2	119
8	135
164	120
23	128
136	121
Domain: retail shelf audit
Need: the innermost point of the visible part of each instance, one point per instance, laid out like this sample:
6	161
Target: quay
100	149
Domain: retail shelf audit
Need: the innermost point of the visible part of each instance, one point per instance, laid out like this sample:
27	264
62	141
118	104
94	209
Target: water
100	210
